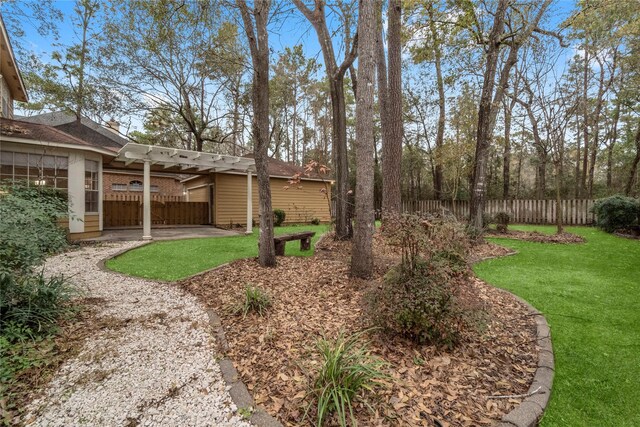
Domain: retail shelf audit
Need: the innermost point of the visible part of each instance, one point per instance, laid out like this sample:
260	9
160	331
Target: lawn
176	259
590	295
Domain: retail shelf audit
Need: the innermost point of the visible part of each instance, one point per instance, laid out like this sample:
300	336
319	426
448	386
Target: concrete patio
164	233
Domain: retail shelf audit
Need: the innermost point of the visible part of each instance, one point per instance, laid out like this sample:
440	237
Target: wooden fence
138	198
127	213
574	212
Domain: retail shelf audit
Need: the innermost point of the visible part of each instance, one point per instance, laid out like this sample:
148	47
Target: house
226	191
11	84
43	155
76	155
116	184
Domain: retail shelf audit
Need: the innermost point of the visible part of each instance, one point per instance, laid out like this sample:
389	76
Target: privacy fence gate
574	212
127	212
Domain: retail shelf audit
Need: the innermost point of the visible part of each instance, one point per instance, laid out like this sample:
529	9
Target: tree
436	32
335	74
492	94
361	252
72	81
173	55
390	99
258	39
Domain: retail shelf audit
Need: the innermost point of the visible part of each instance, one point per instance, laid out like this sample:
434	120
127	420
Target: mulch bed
534	236
311	297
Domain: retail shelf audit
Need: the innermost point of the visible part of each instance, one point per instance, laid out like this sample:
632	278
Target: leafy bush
502	221
30	306
616	212
424	306
347	369
255	300
422	236
315	221
28	226
278	217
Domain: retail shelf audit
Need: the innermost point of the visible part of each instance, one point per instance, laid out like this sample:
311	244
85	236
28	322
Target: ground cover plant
31	305
589	294
177	259
347	368
312	297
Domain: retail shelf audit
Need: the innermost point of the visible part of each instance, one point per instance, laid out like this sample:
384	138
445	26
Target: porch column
146	202
249	204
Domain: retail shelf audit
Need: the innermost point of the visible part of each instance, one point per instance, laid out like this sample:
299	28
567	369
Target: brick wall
167	185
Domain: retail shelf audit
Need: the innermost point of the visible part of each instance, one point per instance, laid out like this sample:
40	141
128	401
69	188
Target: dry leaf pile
534	236
276	356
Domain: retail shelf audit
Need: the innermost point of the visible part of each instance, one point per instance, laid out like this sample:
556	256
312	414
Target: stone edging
237	389
529	412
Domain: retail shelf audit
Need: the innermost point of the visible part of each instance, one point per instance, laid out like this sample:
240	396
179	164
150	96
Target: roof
279	168
39	133
9	68
86	129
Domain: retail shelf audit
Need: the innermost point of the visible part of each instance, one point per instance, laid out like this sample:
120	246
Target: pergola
186	161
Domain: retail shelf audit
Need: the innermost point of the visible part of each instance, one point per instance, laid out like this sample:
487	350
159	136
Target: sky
290	29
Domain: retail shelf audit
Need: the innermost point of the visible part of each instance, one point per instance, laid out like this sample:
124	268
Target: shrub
278	217
616	212
315	221
347	369
255	300
502	221
423	305
28	226
422	236
30	306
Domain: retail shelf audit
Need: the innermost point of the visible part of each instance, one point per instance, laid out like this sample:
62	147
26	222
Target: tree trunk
437	54
612	142
585	124
361	252
634	165
577	186
483	135
259	47
490	102
335	75
559	227
506	154
392	144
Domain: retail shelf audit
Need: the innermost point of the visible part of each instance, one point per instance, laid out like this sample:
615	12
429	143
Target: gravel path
152	366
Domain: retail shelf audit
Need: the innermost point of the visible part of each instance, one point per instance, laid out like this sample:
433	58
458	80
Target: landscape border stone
530	411
237	389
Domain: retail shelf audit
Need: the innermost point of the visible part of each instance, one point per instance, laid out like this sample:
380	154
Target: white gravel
154	367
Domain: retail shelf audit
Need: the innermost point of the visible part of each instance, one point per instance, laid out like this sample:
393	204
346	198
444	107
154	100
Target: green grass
176	259
590	295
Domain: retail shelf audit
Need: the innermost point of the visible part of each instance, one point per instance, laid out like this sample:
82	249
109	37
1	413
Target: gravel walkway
152	366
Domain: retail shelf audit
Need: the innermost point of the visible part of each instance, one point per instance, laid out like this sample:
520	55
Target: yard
177	259
589	294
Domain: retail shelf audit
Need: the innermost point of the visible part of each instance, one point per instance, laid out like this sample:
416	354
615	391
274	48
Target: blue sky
291	29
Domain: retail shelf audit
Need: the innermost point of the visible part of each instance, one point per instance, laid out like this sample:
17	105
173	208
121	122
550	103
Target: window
91	191
155	189
119	187
135	186
35	169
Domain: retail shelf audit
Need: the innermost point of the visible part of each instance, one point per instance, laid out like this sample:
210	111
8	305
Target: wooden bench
304	237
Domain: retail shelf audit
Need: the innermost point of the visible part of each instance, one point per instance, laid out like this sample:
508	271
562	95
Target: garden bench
304	237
